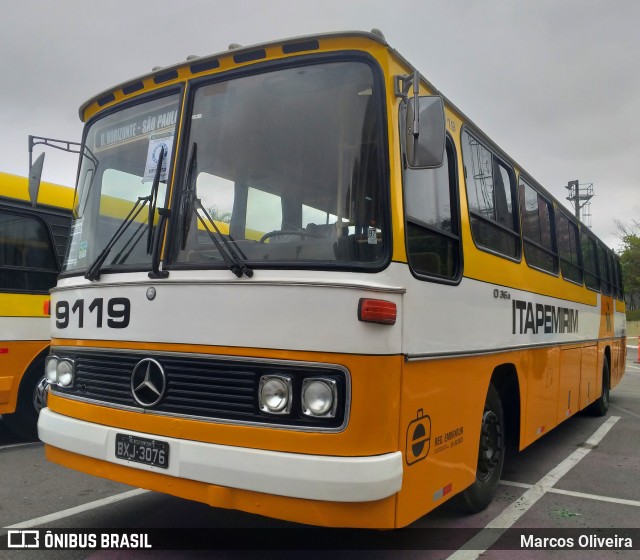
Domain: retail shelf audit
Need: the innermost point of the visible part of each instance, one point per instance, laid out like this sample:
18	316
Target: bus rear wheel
490	457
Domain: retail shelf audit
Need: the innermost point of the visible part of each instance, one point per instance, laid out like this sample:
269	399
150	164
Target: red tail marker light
377	311
46	307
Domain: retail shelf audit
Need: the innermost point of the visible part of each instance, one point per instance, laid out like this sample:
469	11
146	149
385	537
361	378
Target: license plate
142	450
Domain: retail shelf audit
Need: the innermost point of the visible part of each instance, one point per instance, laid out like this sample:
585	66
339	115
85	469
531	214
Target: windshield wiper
192	204
93	272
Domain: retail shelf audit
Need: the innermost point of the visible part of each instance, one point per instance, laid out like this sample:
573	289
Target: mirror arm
402	84
416	104
63	145
35	170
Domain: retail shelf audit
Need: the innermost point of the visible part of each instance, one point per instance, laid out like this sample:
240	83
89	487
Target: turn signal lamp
377	311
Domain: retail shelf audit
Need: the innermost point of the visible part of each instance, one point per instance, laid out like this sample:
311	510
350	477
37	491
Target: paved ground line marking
516	484
478	544
620	501
78	509
632	366
596	497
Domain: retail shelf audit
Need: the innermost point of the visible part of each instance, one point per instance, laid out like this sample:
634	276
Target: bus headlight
50	366
59	371
319	397
275	394
64	373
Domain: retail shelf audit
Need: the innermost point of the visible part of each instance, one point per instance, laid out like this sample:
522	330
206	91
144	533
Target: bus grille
200	386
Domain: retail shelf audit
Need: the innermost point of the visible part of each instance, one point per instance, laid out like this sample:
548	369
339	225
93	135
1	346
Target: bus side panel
618	359
539	375
439	430
588	375
15	359
569	385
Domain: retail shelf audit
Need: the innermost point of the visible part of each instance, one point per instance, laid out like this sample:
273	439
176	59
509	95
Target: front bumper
312	477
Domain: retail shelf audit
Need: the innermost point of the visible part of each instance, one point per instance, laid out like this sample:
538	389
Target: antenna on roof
376	31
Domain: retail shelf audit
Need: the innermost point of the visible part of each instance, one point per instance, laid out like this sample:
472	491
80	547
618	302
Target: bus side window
590	261
620	284
570	263
491	198
432	219
537	231
605	273
27	258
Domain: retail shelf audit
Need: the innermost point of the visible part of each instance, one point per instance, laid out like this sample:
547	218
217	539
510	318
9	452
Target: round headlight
274	395
50	369
64	373
317	397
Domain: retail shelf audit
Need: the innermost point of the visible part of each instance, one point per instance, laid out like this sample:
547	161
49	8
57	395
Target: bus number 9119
118	313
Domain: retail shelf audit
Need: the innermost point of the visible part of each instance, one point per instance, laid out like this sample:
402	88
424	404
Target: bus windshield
118	167
288	165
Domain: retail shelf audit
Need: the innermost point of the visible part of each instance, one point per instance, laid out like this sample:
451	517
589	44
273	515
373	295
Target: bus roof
50	194
240	53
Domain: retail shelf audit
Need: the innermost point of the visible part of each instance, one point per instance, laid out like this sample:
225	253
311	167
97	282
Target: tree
630	260
218	215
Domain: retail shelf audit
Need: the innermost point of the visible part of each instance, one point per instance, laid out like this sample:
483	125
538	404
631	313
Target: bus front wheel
490	457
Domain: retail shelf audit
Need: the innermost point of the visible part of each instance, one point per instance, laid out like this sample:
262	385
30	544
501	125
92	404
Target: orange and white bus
33	240
333	300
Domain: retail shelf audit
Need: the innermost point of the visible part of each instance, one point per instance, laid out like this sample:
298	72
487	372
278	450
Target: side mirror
35	174
425	146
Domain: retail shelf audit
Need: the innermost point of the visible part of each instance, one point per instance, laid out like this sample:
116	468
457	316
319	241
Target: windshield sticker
74	245
372	238
156	145
76	229
83	250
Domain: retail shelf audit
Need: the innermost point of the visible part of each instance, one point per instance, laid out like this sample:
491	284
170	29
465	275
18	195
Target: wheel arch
505	379
35	362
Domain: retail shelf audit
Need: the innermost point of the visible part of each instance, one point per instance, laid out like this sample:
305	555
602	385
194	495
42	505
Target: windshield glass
118	167
289	164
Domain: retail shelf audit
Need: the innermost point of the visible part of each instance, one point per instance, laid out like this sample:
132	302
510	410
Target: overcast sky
555	83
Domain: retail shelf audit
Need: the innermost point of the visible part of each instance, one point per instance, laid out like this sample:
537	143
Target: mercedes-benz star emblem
148	382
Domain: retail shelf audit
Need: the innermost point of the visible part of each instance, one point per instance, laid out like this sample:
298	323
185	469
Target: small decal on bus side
118	313
418	438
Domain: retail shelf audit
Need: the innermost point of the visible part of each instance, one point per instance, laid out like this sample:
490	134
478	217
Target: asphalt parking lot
582	477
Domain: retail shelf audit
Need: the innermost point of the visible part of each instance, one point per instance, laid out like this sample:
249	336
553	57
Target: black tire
490	457
31	399
600	407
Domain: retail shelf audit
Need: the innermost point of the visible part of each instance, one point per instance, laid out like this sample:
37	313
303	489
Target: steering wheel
299	233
